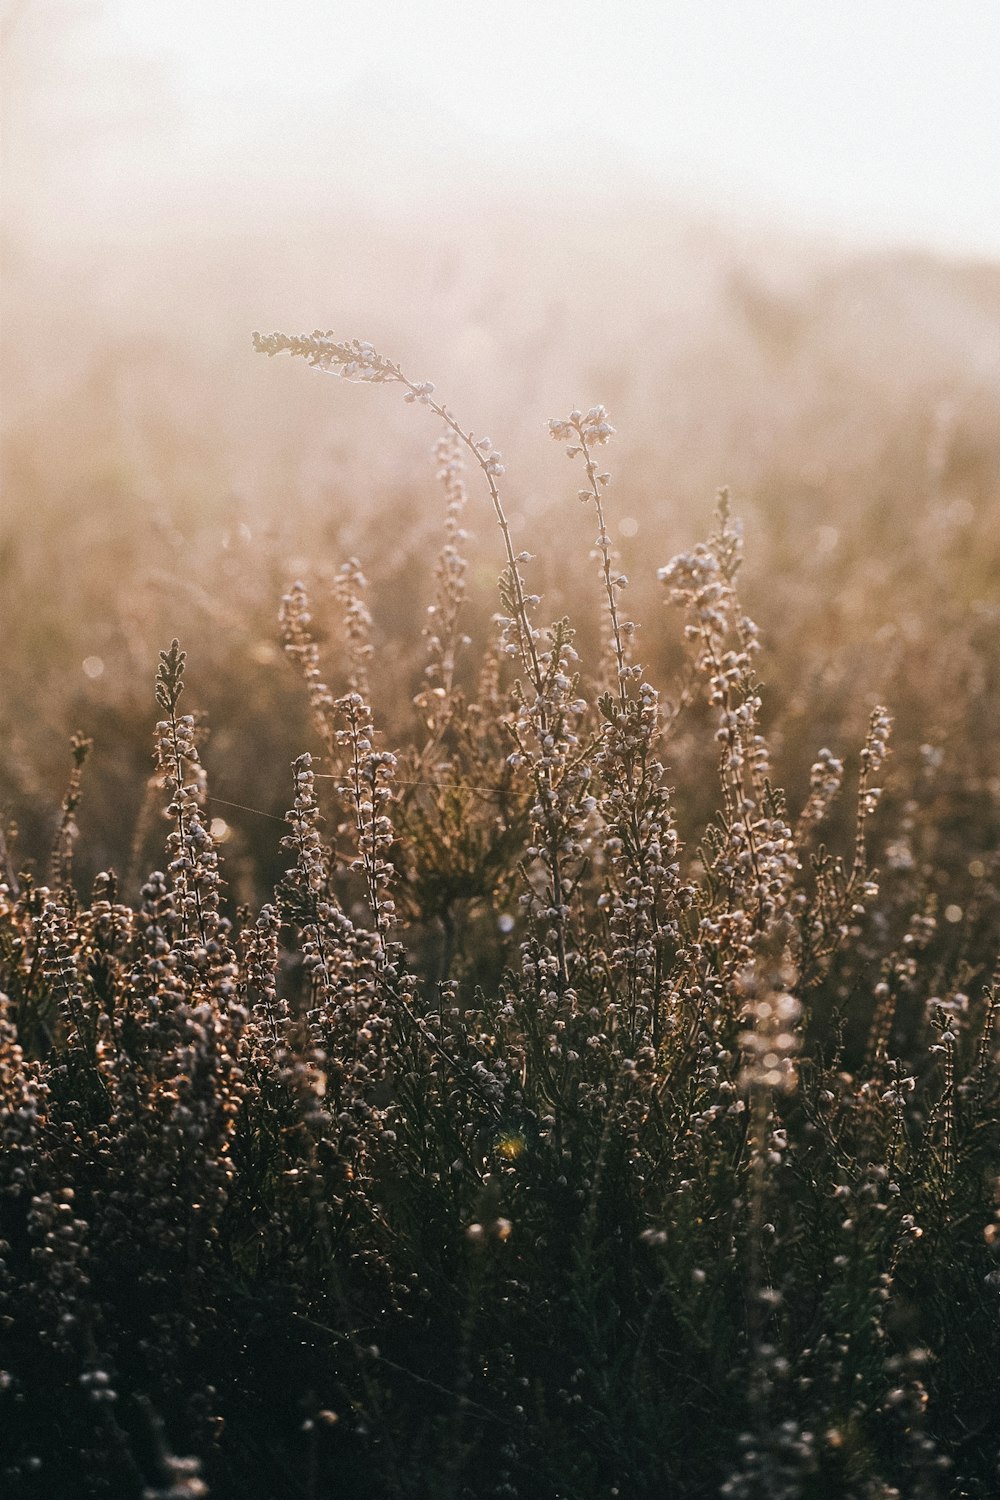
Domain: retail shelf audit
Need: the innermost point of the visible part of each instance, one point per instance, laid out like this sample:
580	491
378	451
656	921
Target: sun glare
775	105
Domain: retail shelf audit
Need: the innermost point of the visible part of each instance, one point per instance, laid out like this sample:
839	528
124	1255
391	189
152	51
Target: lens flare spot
510	1145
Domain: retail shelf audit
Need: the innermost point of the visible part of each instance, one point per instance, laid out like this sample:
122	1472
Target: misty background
767	236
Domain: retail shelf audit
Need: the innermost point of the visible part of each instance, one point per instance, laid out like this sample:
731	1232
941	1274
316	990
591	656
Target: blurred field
160	480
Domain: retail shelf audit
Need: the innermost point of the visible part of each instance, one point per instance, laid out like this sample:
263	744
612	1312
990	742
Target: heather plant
153	488
520	1143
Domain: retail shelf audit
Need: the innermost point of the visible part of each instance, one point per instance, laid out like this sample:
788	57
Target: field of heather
499	827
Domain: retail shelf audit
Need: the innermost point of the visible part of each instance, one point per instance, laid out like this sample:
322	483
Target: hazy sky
879	118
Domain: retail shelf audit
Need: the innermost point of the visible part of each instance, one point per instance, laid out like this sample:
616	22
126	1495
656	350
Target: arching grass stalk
359	361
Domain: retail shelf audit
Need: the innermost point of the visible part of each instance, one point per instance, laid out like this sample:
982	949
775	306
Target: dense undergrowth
515	1146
